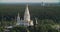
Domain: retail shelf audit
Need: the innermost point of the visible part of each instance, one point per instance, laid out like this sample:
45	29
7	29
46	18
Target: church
26	21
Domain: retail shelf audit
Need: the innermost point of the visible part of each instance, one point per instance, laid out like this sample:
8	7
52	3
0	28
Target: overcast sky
18	1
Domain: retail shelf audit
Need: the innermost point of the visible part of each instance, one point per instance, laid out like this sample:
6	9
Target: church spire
36	21
18	19
18	14
27	14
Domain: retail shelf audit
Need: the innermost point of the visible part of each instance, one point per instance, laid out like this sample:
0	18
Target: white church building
27	21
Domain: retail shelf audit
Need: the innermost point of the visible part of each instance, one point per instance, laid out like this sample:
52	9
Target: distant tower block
27	14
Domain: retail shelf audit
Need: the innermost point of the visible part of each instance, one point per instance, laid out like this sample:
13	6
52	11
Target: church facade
27	21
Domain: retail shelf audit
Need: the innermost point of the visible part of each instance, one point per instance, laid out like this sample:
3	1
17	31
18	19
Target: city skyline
29	1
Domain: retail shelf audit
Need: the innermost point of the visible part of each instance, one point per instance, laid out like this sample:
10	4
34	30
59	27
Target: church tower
26	21
18	20
27	14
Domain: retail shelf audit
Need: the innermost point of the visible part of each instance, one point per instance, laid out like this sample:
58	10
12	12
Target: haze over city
29	1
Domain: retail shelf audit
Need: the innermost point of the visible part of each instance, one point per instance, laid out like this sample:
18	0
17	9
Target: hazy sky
18	1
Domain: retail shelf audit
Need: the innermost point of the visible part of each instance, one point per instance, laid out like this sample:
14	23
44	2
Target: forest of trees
47	16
